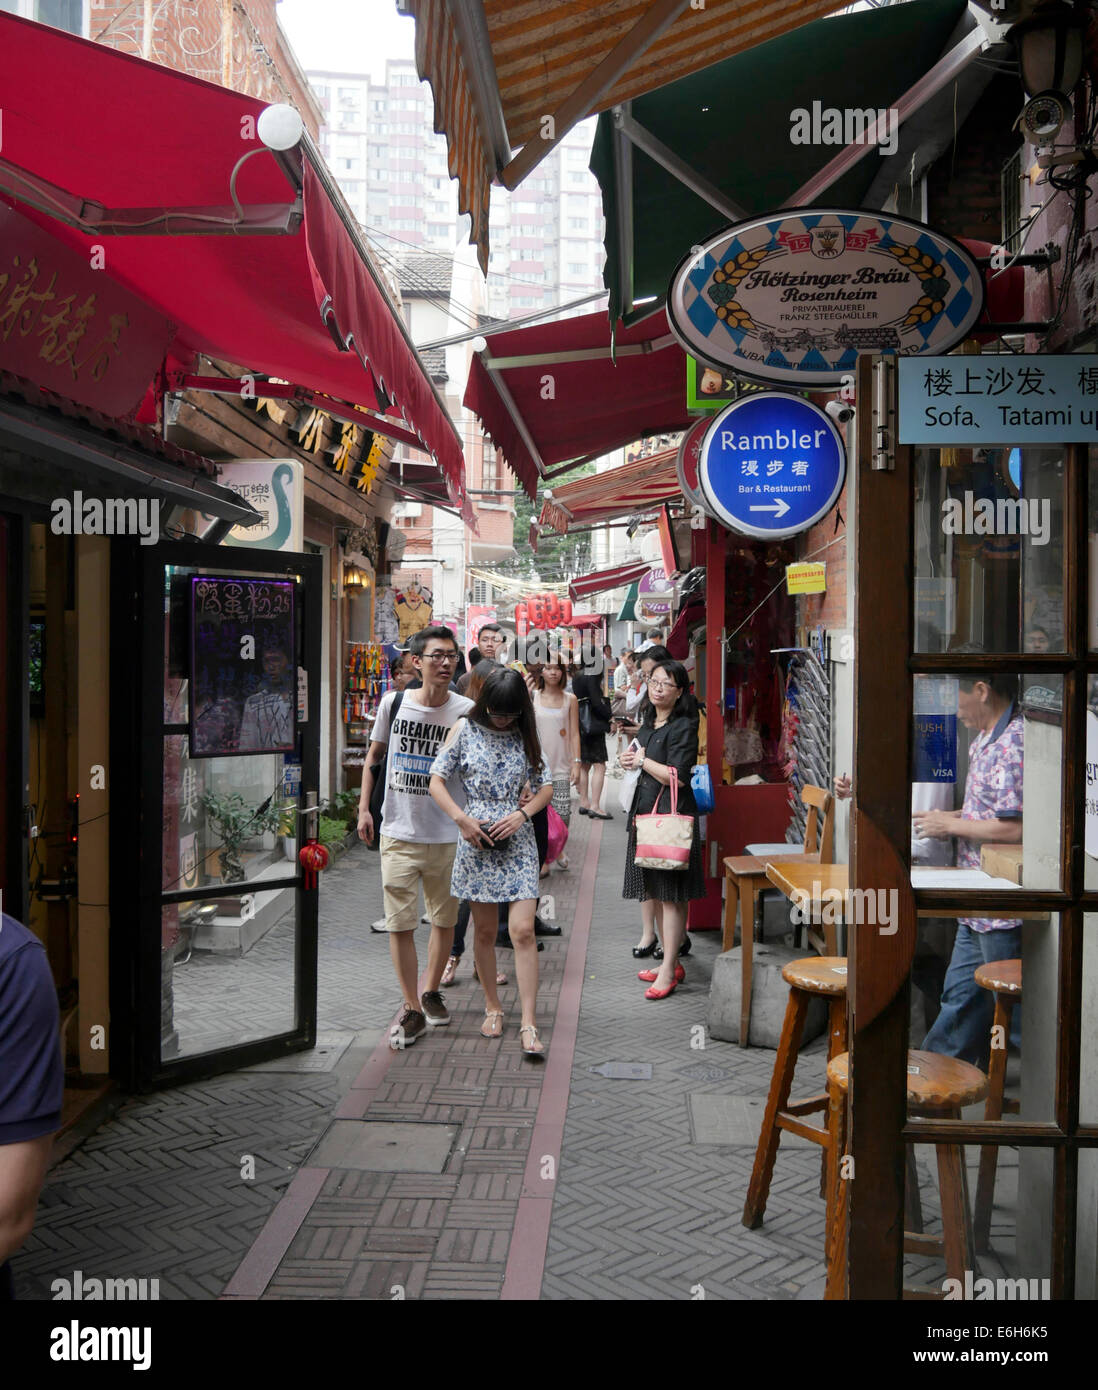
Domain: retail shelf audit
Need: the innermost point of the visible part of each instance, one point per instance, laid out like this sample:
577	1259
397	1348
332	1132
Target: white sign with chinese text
1004	399
276	489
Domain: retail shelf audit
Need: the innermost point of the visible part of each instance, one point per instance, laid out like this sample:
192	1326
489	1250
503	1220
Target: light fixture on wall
354	580
1049	45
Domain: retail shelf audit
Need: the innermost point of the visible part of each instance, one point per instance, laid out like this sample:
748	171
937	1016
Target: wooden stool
821	975
1004	977
936	1085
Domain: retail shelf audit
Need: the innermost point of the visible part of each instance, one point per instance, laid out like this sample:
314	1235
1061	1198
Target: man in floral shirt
991	813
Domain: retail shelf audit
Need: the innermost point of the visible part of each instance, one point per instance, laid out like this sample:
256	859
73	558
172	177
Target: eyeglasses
662	685
440	656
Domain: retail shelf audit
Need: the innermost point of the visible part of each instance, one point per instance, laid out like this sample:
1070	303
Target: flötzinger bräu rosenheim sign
794	297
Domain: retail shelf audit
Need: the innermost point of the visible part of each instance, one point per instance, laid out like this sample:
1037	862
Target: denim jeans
963	1026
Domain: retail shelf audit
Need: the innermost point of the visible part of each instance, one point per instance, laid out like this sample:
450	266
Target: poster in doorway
243	672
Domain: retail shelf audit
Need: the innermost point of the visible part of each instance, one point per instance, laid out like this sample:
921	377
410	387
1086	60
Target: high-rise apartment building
380	142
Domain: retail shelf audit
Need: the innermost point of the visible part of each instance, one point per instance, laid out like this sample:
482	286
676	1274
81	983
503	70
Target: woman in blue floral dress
496	753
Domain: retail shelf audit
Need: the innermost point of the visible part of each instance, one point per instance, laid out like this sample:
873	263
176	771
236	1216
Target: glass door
224	971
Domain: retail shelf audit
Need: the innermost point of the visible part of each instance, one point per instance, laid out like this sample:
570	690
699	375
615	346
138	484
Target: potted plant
235	820
287	829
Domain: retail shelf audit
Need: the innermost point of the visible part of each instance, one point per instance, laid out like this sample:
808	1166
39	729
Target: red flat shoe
650	975
653	993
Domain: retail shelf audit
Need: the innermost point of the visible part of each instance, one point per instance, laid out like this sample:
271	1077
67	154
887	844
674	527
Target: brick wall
963	186
188	37
830	607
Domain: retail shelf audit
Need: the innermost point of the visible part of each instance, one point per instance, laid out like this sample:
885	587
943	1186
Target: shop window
989	552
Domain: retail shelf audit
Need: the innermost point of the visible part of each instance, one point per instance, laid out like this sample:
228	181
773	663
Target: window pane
989	548
1086	1235
213	997
986	749
223	820
1088	1060
1006	1257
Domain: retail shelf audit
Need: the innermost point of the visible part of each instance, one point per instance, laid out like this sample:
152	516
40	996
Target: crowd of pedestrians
477	778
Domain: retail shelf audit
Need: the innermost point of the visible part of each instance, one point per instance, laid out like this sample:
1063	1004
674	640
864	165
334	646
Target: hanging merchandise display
795	296
386	626
367	680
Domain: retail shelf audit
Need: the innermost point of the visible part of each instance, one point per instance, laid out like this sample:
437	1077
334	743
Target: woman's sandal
535	1047
450	971
492	1027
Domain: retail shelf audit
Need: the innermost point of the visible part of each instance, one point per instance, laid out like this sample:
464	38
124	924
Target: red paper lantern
537	612
522	619
552	609
312	857
566	612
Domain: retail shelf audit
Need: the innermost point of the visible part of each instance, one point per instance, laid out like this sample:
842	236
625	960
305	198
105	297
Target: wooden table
816	885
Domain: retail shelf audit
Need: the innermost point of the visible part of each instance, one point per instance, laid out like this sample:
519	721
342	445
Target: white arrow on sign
779	508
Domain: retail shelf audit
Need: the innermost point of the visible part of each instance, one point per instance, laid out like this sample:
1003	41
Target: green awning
731	124
627	612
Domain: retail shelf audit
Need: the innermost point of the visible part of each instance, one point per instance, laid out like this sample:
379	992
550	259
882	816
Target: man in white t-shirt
418	839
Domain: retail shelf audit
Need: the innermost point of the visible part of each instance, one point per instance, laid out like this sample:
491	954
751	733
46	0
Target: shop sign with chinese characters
1030	399
794	297
71	328
806	578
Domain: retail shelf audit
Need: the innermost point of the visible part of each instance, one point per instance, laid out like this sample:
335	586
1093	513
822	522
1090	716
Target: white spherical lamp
280	127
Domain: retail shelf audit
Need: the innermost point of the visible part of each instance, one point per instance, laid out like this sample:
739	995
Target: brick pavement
558	1182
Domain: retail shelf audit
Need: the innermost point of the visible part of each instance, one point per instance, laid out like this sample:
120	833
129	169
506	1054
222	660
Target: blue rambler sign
1032	399
771	465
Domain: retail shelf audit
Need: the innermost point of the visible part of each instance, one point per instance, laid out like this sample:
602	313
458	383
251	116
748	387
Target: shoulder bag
381	773
664	840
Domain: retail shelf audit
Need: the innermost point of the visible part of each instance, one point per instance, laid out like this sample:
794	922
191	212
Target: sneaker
407	1029
434	1010
379	925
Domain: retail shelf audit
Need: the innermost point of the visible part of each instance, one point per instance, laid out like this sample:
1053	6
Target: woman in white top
557	714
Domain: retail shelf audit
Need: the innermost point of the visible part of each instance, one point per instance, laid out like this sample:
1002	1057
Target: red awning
639	486
552	394
602	580
105	150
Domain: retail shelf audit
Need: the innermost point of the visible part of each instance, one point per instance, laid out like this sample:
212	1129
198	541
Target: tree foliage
558	557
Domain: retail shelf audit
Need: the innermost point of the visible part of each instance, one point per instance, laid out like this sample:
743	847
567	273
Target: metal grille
808	691
1010	181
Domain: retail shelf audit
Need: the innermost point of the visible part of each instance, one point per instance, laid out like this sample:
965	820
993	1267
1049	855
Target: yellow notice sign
806	579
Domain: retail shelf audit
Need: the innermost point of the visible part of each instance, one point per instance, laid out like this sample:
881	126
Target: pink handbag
558	835
664	840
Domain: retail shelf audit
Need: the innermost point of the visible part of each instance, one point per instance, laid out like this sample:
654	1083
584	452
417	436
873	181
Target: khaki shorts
404	865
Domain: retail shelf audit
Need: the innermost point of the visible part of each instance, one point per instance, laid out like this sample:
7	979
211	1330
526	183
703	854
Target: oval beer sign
794	297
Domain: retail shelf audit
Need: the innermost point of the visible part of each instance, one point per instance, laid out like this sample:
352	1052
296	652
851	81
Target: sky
347	35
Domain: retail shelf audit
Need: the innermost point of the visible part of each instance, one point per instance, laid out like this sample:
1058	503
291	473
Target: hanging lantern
522	619
566	612
313	857
552	610
537	612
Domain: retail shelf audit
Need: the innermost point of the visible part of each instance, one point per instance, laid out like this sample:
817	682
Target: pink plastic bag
558	836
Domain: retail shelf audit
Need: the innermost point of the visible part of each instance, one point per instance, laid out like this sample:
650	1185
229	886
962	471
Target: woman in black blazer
669	739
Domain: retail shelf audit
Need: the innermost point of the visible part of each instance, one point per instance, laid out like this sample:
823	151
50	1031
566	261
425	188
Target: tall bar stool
1004	977
815	975
745	881
936	1086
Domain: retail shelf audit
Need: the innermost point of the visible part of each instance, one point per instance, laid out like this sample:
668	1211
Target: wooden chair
745	876
824	976
1004	977
936	1085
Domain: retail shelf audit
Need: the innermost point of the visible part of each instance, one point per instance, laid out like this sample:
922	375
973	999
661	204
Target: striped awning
639	486
506	75
601	580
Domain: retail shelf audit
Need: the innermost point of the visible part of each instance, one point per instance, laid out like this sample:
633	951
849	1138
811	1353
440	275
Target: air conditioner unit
407	509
